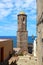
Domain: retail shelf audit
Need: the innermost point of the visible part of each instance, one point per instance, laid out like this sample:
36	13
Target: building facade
22	34
6	48
40	31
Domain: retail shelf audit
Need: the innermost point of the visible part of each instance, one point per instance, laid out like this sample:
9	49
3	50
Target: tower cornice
22	14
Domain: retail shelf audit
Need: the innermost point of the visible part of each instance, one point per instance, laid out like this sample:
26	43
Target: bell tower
22	34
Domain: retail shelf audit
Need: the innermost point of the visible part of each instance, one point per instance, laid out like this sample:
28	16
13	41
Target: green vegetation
21	54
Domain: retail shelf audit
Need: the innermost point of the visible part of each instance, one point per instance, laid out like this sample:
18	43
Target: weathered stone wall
39	8
39	44
40	31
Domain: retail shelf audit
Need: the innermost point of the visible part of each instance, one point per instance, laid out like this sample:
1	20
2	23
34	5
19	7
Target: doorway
2	54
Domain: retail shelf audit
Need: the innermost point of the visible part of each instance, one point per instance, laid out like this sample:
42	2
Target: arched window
23	18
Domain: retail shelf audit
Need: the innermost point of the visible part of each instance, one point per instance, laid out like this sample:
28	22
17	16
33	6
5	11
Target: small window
23	18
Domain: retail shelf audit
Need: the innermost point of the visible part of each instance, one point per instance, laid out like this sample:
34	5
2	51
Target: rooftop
4	39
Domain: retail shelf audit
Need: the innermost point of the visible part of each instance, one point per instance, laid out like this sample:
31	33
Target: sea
14	38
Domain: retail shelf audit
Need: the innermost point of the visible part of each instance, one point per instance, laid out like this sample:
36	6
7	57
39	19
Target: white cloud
4	13
6	1
7	6
2	5
13	7
23	4
27	3
9	28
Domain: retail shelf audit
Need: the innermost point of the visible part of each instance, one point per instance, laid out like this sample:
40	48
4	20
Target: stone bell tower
22	34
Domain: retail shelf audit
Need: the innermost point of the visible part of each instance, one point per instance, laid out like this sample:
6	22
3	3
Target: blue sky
9	9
